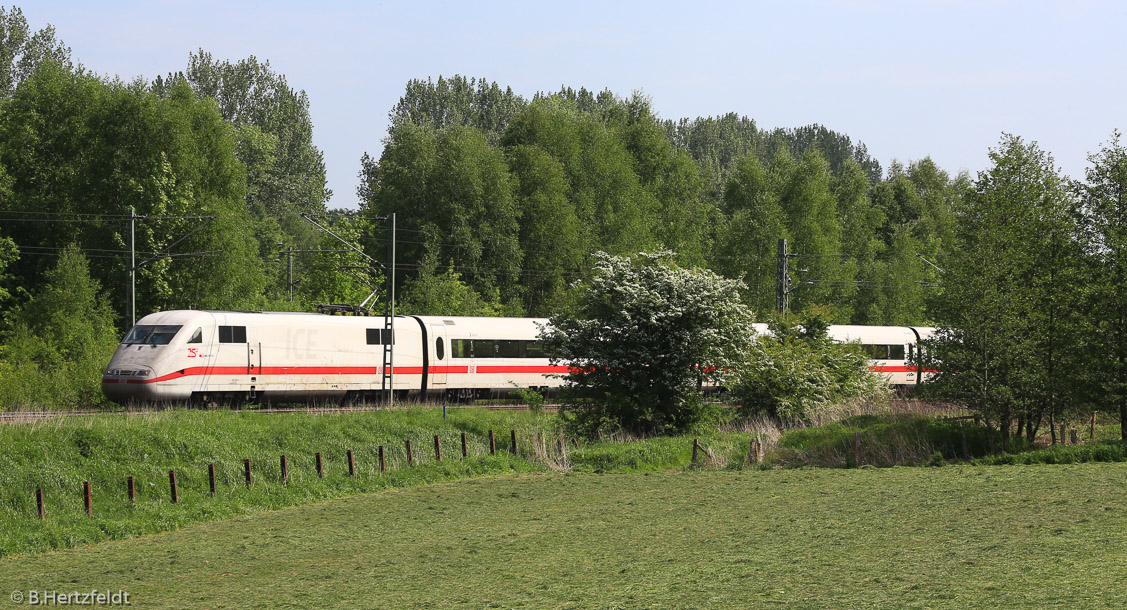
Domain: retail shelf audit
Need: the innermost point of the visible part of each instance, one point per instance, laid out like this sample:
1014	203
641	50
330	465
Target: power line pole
389	318
132	267
782	279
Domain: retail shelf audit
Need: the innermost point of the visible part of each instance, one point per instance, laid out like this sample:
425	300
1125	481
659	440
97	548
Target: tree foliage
1006	343
22	51
1104	200
643	339
797	373
91	153
60	341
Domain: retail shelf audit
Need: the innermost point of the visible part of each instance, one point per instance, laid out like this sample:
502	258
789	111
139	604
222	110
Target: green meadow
1035	536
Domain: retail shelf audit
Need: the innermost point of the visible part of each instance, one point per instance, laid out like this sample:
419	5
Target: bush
797	373
646	336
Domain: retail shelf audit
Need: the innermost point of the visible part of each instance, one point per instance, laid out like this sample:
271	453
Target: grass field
957	537
59	455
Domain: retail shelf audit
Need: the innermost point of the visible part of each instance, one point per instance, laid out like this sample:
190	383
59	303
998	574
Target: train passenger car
471	358
891	349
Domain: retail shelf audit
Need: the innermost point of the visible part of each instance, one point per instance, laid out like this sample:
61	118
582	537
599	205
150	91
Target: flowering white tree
644	339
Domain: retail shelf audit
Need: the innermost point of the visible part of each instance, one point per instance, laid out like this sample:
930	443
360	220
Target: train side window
484	348
875	352
460	348
439	348
197	337
883	352
379	336
232	334
509	349
533	349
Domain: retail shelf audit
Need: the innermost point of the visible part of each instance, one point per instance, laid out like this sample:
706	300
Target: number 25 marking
193	352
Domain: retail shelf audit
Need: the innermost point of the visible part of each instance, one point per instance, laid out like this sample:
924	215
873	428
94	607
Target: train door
440	355
233	357
203	352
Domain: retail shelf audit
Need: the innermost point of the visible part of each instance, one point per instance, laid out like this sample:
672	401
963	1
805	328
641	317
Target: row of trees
1032	316
517	195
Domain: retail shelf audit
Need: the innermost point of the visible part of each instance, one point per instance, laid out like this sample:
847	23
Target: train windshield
153	334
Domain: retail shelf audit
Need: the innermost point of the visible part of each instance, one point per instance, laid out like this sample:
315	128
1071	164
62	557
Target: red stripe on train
399	370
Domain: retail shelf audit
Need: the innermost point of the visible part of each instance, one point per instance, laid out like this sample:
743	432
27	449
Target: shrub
645	337
797	372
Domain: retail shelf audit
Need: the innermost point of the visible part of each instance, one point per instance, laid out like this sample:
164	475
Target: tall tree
22	51
748	241
274	132
60	341
454	194
1005	319
551	238
815	228
1104	196
91	153
613	208
458	101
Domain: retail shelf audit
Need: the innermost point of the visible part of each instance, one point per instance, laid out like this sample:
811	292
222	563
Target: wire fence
53	490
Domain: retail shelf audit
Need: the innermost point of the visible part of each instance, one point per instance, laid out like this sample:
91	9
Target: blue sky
909	79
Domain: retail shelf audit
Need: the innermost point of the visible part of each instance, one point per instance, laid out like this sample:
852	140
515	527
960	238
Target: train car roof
486	328
873	334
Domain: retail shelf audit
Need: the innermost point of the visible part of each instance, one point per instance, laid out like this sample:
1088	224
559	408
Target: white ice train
235	357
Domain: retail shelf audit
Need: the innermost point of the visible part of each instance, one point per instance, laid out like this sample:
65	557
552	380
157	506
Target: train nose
126	384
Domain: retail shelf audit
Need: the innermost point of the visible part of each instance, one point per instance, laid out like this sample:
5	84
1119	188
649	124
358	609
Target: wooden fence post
1074	436
465	447
696	449
410	456
285	471
543	453
172	487
381	460
246	469
1092	428
87	499
39	504
131	489
320	467
1062	436
211	478
516	450
492	444
753	451
437	449
351	464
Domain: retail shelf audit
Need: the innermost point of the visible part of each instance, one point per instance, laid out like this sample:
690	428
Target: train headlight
143	373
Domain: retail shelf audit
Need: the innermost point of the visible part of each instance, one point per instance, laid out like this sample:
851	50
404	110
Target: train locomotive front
234	357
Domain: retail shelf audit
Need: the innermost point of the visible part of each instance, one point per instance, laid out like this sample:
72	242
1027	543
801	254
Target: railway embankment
72	481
